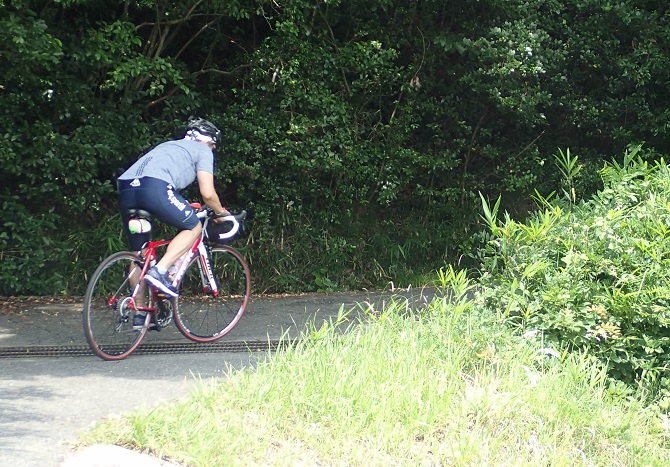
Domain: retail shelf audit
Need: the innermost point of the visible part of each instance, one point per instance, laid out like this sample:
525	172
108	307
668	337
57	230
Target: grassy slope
450	388
448	385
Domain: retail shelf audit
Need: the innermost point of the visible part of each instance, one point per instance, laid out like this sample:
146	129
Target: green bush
594	274
309	255
337	116
31	251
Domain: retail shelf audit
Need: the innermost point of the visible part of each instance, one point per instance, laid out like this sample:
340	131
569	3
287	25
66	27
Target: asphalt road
45	402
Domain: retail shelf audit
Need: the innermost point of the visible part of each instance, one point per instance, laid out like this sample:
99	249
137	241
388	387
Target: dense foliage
356	133
593	275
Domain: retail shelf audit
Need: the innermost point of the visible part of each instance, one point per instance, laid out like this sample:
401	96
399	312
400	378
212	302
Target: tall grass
446	385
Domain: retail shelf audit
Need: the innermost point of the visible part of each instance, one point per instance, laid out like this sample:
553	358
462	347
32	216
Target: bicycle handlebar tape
136	226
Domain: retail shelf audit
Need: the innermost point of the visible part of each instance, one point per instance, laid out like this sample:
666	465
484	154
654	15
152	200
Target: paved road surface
46	401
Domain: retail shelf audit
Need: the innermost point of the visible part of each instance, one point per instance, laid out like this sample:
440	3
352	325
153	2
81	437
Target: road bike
213	284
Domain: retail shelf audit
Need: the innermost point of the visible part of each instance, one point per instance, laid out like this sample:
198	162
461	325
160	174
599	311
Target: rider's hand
222	214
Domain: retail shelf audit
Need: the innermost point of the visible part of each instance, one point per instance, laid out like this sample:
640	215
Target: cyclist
153	183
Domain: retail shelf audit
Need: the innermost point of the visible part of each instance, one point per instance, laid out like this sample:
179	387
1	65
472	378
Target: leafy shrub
31	252
303	253
595	274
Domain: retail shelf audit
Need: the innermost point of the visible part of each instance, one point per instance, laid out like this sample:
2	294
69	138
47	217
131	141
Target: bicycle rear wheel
199	315
108	315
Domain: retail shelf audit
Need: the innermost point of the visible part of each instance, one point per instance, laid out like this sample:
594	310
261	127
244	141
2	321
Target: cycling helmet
197	127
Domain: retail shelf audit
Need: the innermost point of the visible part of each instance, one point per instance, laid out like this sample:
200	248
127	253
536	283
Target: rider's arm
208	193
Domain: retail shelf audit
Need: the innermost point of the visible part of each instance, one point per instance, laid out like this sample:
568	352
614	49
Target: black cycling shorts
160	199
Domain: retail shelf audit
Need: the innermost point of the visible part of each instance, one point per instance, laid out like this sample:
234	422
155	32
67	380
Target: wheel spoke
108	310
199	315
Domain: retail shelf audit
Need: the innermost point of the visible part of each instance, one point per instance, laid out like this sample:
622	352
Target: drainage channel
148	348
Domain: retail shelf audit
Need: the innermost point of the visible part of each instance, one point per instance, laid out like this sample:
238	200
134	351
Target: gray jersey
175	162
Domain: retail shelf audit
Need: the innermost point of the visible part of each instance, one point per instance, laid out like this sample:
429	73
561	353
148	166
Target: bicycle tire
107	316
199	315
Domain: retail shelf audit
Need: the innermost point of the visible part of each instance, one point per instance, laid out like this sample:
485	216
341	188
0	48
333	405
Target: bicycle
213	281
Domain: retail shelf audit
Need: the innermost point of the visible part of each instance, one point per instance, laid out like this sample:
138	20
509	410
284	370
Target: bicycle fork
209	284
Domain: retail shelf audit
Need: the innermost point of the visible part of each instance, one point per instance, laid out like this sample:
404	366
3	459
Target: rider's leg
170	207
134	277
178	246
128	200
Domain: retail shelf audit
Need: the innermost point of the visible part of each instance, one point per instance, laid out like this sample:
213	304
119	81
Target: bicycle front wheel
108	312
203	317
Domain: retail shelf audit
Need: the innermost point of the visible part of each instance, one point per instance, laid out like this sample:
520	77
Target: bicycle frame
206	275
198	247
148	256
115	335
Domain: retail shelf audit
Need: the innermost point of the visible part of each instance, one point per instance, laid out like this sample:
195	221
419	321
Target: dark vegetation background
358	134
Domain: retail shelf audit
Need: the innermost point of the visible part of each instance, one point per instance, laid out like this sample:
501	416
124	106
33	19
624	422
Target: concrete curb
102	455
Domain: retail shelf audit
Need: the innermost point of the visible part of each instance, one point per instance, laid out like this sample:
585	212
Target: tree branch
202	29
220	72
170	93
332	38
468	155
190	15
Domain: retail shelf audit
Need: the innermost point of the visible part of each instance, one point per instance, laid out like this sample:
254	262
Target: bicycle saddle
139	214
